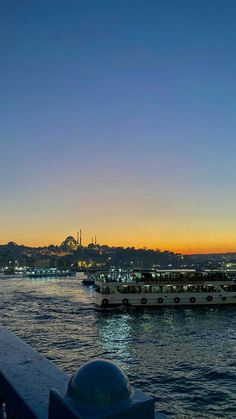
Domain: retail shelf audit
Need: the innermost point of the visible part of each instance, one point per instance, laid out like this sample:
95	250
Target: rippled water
185	358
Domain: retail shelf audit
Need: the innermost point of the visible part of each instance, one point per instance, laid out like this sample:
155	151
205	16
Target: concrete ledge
26	377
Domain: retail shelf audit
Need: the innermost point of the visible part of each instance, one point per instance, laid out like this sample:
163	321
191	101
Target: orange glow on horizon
191	248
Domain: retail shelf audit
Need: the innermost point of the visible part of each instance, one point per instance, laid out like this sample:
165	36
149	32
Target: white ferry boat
166	288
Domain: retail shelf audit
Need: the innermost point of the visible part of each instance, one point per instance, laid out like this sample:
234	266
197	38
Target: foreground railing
31	387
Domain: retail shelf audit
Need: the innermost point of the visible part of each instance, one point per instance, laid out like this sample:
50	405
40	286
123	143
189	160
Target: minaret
80	237
95	241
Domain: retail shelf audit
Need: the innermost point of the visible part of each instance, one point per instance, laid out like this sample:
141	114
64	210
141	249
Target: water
185	358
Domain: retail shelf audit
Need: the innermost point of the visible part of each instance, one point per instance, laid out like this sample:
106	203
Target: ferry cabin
167	288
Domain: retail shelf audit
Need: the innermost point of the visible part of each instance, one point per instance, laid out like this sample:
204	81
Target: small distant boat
88	281
166	288
48	273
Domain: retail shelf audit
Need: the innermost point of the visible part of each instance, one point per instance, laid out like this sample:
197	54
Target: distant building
85	263
69	244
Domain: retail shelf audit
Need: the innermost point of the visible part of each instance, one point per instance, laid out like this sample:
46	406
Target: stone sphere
99	384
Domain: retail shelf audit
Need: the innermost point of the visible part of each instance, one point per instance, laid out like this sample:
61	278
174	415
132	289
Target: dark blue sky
119	116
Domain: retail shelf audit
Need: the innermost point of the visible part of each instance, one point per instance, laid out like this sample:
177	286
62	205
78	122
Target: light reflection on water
185	358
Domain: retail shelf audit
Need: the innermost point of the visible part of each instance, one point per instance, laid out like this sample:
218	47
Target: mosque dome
69	243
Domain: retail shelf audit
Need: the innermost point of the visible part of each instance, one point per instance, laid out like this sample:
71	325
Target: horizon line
226	251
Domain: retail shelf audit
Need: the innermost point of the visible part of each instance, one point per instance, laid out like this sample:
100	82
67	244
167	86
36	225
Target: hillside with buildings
72	254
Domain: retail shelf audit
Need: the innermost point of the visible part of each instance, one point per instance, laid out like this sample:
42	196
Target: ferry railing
31	387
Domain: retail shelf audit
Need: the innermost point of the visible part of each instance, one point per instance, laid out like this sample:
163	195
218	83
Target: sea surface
185	357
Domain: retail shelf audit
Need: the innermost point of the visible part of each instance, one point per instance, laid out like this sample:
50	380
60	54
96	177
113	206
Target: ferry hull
175	300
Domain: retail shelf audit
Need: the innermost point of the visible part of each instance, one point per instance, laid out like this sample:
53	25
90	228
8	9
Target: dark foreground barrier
31	387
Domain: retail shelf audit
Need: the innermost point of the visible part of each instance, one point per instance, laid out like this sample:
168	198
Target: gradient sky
119	117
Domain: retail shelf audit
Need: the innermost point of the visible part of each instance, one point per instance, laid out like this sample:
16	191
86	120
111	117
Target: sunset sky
119	117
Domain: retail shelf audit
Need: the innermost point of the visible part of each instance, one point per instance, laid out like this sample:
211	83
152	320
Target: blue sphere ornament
99	384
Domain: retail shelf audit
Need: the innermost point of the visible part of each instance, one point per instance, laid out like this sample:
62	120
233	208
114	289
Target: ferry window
156	288
192	288
147	276
123	289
